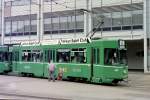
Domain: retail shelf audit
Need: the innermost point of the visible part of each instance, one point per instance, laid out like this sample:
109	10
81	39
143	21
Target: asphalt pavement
27	88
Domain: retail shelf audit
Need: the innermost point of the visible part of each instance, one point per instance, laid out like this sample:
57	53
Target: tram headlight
124	71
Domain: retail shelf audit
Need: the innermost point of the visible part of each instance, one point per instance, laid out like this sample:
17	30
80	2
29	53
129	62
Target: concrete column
38	21
42	19
146	36
90	28
86	21
40	30
2	22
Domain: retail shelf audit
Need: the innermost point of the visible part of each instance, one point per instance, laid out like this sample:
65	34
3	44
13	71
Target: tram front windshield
115	57
123	56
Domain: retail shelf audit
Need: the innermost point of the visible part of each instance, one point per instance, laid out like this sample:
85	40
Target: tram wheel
115	82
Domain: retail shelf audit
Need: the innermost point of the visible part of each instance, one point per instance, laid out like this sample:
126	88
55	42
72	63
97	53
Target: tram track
31	96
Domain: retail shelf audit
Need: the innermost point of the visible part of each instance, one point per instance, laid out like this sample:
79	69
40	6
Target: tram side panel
72	69
24	62
2	67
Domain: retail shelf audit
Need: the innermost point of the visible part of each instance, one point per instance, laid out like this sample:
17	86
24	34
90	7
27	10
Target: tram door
15	58
92	59
10	57
96	70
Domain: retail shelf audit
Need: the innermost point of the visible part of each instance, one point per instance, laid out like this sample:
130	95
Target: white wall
126	35
23	10
19	39
67	35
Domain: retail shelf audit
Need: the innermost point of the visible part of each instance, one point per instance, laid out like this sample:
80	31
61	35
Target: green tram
97	61
5	59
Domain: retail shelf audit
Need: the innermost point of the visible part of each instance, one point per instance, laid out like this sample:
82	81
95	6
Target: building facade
36	20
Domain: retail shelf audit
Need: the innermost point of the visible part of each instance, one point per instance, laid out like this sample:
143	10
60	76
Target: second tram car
5	59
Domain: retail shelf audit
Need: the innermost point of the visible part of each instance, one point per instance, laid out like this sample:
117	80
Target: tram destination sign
122	44
73	41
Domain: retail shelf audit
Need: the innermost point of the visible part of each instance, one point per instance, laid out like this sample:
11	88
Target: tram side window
111	56
3	56
36	56
78	55
96	56
26	55
63	55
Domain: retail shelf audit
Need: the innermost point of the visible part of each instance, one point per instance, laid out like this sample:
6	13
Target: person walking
51	70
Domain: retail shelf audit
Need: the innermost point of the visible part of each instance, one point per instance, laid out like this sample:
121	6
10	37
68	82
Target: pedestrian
60	74
51	70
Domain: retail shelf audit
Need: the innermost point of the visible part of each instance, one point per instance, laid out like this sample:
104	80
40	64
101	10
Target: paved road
25	88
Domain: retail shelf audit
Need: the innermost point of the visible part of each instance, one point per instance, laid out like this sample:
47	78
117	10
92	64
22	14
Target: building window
71	22
7	28
14	27
20	27
137	17
33	25
27	25
116	19
80	22
63	23
47	25
127	18
107	20
55	23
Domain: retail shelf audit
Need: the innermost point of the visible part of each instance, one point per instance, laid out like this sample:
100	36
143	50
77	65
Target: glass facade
22	2
20	27
63	24
68	22
124	20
